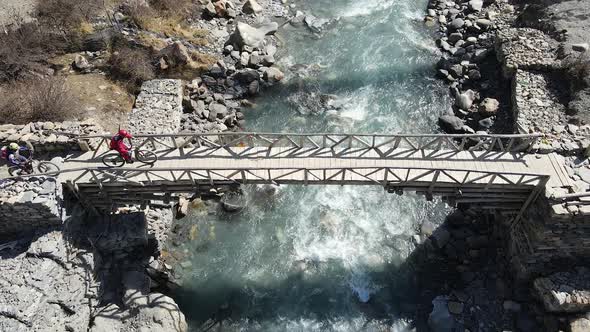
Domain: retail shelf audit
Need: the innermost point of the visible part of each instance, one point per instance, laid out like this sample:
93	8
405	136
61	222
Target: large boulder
489	107
465	100
450	123
247	76
80	62
580	325
175	55
315	24
476	5
273	75
246	35
251	7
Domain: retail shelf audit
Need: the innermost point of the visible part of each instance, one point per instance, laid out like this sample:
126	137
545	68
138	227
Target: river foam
326	258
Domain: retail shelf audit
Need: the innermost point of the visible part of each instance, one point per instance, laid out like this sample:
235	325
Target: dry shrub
578	68
153	43
198	65
131	65
38	100
25	49
167	22
180	7
68	14
71	18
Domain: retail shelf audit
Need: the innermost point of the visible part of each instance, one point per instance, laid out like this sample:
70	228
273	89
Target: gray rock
489	107
572	129
245	59
270	50
315	24
255	59
484	23
80	62
251	7
465	100
558	129
471	40
445	46
486	123
247	75
210	9
456	307
268	60
457	23
246	35
253	88
474	74
476	5
273	75
480	55
217	111
451	123
455	37
580	325
456	70
27	197
580	47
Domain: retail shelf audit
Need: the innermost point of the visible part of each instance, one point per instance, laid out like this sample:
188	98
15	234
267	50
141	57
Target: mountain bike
33	167
143	156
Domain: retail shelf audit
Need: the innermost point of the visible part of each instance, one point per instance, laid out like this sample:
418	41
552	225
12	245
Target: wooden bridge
495	171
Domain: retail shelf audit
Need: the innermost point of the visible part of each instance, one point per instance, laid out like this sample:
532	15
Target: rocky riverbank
515	67
540	85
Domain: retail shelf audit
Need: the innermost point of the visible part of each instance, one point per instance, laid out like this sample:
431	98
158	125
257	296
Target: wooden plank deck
321	166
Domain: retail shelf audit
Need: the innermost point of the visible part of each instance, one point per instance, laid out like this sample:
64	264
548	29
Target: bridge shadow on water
406	295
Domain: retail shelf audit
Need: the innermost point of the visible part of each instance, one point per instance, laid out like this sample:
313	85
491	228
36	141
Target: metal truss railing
384	145
383	176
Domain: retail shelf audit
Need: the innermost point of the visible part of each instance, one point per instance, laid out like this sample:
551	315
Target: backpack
4	152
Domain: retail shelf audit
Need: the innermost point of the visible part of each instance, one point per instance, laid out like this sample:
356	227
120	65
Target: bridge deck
325	166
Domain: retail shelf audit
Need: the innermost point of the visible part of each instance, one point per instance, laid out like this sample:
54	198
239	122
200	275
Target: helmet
124	133
13	146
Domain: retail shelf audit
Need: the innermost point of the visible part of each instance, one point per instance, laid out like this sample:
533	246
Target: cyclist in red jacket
118	144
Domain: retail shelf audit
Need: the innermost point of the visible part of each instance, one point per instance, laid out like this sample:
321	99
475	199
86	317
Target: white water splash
365	8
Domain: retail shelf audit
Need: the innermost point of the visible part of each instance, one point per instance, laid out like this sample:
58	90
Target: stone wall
537	108
124	245
158	108
49	136
565	291
28	205
530	58
549	239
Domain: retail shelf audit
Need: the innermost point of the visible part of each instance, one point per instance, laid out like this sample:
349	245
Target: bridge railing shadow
411	286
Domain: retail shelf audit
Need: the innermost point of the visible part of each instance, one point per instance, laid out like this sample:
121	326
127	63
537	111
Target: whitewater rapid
324	258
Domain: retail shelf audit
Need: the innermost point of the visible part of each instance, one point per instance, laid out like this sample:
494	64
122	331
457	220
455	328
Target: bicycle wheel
47	167
14	171
113	160
146	157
